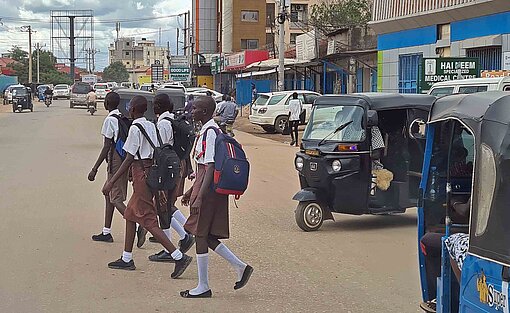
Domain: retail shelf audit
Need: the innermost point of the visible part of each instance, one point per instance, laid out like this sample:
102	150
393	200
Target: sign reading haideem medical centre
443	69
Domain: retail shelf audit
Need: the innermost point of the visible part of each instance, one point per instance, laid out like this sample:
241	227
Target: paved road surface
49	211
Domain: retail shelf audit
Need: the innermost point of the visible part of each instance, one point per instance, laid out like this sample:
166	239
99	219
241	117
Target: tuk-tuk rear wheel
309	216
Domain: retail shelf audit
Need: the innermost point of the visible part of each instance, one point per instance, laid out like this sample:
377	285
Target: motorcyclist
48	94
227	112
91	99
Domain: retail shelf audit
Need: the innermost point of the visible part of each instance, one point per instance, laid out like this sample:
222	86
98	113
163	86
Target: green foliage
48	74
115	72
331	15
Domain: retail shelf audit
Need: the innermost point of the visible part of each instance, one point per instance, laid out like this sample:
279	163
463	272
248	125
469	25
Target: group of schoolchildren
131	145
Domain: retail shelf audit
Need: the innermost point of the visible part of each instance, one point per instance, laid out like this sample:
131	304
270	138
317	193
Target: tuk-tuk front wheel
309	216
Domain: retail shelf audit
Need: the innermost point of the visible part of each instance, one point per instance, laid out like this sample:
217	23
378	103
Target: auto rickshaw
340	168
177	97
22	99
40	92
466	160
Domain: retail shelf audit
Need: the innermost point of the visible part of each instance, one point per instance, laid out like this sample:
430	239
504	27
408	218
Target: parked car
79	93
465	86
270	110
102	90
201	91
62	91
112	85
173	86
129	85
148	87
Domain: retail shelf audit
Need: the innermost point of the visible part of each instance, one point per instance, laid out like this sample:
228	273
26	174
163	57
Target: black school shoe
181	266
121	265
248	270
162	256
103	237
186	294
186	243
141	234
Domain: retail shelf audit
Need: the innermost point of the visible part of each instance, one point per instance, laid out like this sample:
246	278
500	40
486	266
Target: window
271	16
275	99
127	53
490	57
472	89
249	44
127	62
300	96
373	81
127	44
485	192
441	92
270	41
506	88
298	13
250	16
310	98
293	38
408	72
148	53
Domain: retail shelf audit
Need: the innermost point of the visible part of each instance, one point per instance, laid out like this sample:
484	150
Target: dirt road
49	211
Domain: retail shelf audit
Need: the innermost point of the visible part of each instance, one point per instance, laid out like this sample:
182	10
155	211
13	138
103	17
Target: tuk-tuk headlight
336	165
300	163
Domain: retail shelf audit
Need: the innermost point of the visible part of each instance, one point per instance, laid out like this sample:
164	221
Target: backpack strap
144	133
204	137
120	121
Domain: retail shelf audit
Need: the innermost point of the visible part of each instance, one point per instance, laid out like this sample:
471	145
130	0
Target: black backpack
124	124
184	136
165	170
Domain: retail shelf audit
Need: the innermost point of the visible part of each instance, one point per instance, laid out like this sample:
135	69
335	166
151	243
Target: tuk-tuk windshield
325	119
19	91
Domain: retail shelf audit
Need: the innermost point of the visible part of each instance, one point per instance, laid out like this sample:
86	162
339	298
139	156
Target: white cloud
37	13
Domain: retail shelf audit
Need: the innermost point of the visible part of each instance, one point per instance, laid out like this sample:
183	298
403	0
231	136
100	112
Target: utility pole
28	29
38	49
177	43
72	58
186	39
282	16
117	29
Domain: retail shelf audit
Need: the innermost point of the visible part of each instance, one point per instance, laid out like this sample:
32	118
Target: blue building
410	30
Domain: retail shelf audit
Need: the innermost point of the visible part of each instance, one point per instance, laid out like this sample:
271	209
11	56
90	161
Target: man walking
140	208
209	220
170	216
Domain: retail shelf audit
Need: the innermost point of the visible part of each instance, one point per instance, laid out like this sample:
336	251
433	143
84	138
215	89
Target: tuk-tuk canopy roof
473	109
379	101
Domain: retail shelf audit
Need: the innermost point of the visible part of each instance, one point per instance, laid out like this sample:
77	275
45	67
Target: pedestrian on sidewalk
209	220
141	208
117	196
295	110
170	215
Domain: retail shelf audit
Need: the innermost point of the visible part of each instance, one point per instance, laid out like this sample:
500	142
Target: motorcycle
91	107
227	127
47	100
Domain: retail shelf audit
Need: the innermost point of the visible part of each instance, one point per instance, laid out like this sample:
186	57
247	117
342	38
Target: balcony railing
390	9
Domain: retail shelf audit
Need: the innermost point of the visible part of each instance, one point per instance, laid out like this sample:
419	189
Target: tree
47	71
332	15
116	72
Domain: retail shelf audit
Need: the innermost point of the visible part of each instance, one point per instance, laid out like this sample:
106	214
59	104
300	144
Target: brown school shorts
119	190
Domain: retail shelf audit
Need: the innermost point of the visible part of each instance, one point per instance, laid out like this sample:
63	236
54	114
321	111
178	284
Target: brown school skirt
212	218
119	190
140	208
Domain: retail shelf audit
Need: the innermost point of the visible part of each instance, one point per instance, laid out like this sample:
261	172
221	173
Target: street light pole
282	16
38	48
28	29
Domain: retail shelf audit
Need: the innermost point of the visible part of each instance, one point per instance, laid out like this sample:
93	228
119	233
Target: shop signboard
506	60
157	72
180	74
444	69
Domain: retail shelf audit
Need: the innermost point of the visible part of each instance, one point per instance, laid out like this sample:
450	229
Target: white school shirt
136	141
110	128
208	156
165	128
295	109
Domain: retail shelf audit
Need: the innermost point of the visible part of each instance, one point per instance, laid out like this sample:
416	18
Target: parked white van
464	86
270	110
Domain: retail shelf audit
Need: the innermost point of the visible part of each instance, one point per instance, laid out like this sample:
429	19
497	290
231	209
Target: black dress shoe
153	239
246	277
103	237
186	243
186	294
162	256
181	265
121	265
141	233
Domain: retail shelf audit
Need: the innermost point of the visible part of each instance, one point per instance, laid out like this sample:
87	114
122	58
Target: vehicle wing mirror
372	118
417	129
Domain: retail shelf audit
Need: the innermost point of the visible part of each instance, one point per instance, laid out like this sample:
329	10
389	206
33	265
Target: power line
98	21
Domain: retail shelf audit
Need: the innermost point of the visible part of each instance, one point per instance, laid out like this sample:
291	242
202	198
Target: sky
139	18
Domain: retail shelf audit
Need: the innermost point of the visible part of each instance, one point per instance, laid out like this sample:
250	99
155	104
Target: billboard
180	74
444	69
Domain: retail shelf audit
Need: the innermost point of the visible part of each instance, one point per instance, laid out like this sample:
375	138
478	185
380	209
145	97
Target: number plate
313	166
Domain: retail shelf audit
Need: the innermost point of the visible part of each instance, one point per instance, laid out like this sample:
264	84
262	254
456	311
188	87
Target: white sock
177	254
203	274
106	231
127	256
238	265
168	235
178	228
179	217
